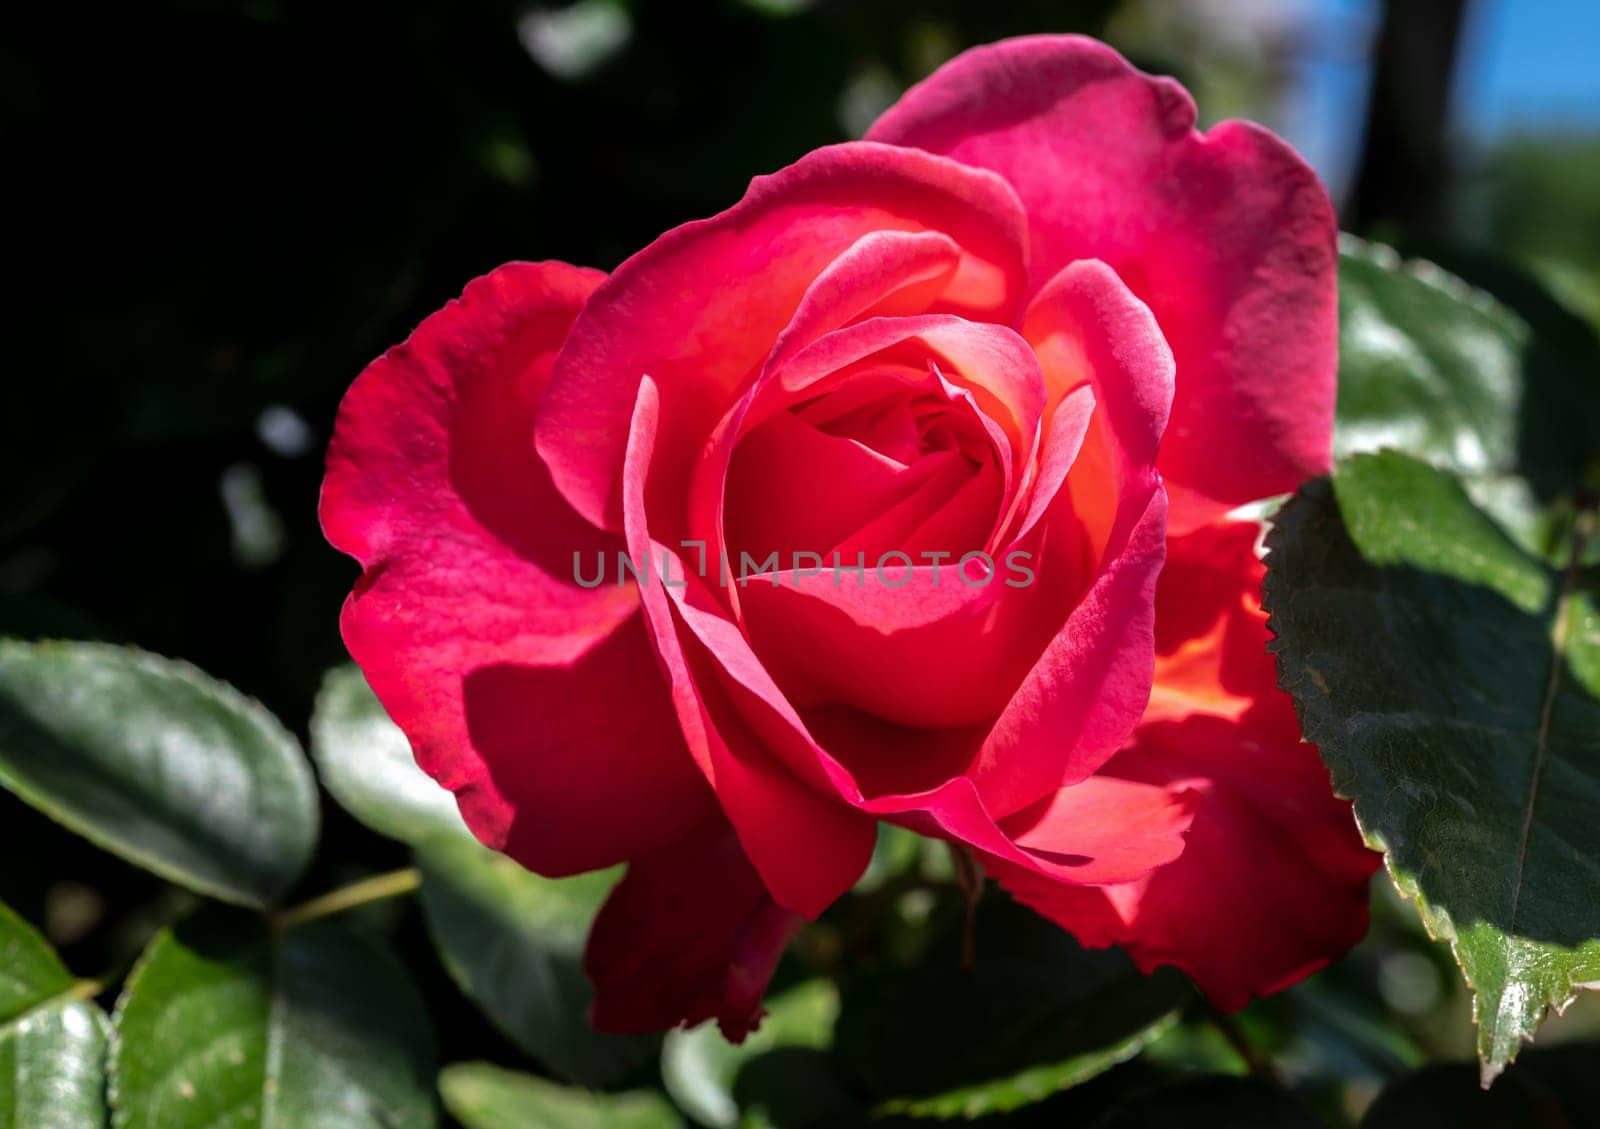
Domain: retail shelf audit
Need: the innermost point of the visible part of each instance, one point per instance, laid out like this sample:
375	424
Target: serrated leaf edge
1435	922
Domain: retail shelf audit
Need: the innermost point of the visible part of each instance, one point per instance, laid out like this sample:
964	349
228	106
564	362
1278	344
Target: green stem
394	884
80	991
1233	1031
970	879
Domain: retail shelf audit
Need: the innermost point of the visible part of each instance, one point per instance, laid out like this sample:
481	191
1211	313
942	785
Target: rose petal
807	847
1069	425
689	934
1228	236
1109	835
1087	691
1095	832
467	622
882	274
700	308
927	646
1103	833
1084	319
1273	883
1209	626
990	362
794	488
940	478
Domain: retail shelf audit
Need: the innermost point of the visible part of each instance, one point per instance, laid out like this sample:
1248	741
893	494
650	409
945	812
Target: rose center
872	467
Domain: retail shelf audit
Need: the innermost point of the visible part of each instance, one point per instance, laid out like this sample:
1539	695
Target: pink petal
1100	833
689	934
882	274
807	847
1085	694
773	505
1095	832
700	309
910	646
1273	884
467	622
921	647
1228	236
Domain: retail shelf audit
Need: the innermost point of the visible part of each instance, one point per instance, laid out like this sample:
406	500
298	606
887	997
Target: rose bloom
1035	312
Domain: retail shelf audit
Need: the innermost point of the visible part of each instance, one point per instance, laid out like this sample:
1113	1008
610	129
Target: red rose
963	387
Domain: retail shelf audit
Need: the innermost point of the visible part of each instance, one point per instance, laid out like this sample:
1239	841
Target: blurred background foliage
224	210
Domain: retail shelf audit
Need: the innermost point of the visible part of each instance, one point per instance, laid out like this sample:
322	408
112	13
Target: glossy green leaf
30	971
1426	364
366	763
53	1068
1450	680
1441	369
514	943
224	1024
1035	1015
700	1067
481	1096
157	763
52	1041
1499	389
1212	1103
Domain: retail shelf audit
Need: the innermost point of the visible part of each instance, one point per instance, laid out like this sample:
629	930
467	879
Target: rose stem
375	889
970	879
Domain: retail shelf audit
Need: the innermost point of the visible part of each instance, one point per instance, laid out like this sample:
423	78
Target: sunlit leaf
481	1096
225	1023
1444	371
52	1040
1450	680
366	763
700	1067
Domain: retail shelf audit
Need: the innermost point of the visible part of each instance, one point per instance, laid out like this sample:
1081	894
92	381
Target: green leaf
1212	1103
1432	366
481	1096
157	763
700	1067
53	1068
1499	390
52	1041
1450	679
1035	1015
366	763
30	971
1426	363
225	1024
514	943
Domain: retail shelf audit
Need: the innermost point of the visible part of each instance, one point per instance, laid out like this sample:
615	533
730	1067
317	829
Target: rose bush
987	385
